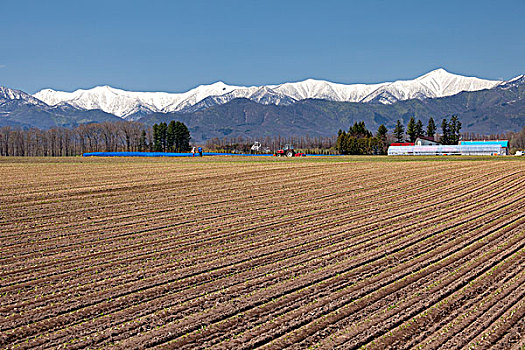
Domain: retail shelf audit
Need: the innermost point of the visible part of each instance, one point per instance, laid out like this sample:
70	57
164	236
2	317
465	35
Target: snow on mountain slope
438	83
7	94
123	103
321	89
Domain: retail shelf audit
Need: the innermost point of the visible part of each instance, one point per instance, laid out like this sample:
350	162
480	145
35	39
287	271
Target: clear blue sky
177	45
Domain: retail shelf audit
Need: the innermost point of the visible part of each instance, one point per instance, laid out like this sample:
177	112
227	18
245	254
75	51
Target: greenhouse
463	150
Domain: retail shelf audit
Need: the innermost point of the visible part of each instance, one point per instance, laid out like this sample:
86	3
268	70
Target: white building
436	150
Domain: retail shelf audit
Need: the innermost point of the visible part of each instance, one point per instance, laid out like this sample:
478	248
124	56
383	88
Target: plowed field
234	253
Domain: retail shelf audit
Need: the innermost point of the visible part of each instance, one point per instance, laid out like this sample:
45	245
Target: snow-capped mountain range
131	104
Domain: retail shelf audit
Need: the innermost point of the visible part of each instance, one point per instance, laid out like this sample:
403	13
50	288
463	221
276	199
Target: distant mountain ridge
497	110
20	109
286	109
133	105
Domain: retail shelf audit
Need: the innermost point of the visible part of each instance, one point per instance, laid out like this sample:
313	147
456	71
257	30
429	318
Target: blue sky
177	45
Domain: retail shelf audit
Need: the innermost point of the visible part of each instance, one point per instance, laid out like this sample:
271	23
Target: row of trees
107	136
241	144
117	136
175	136
451	131
517	140
359	140
172	137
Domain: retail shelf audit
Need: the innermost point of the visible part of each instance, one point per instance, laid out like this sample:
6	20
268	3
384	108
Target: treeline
517	140
359	140
305	144
107	136
175	136
451	131
172	137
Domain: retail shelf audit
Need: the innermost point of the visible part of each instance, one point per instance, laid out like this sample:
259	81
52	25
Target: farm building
503	143
426	141
464	150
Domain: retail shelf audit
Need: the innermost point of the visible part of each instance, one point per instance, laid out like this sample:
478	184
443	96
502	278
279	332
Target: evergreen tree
431	128
344	143
159	137
445	138
399	131
419	128
411	129
340	142
381	137
458	131
352	145
376	145
182	137
359	130
381	132
454	130
170	136
163	129
157	144
359	140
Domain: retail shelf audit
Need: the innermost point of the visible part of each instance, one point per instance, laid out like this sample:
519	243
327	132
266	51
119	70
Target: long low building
502	143
434	150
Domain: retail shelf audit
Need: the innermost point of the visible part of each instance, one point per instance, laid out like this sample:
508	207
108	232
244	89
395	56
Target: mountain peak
104	88
437	73
47	90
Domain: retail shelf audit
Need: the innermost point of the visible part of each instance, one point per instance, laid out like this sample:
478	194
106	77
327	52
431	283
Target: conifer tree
170	136
182	137
399	131
340	143
163	128
359	130
381	131
411	129
157	144
445	138
431	128
419	128
458	131
381	136
454	130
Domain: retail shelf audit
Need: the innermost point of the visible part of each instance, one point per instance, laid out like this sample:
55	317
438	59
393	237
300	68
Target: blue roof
502	143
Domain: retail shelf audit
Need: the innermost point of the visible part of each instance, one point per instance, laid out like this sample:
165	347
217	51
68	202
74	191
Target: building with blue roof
502	143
